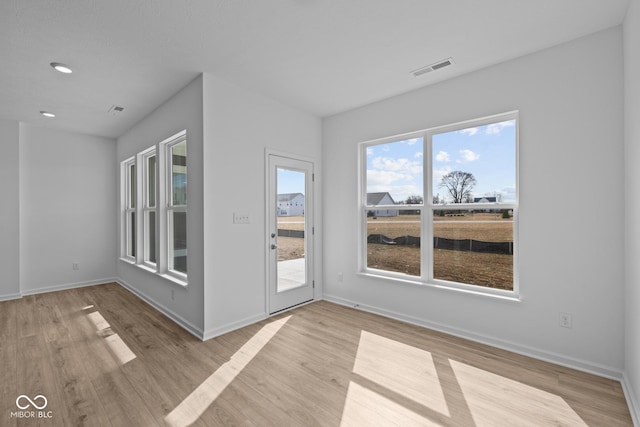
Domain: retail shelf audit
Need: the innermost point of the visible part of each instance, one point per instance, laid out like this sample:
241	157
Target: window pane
394	173
151	181
132	186
179	174
474	247
291	267
131	218
151	236
393	242
476	164
179	237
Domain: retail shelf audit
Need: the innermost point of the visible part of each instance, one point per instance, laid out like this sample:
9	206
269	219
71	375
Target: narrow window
130	209
177	209
150	212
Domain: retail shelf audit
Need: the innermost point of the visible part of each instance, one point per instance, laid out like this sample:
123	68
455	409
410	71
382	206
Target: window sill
174	279
165	276
482	291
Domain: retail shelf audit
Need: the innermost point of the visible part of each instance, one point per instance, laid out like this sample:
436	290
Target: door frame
311	260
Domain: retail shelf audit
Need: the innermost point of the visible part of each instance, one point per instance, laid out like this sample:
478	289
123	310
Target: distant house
375	199
291	204
486	199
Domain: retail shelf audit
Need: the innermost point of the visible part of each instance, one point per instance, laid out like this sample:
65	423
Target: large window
154	208
454	187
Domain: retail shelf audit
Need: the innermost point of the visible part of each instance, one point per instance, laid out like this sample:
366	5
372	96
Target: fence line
468	245
290	233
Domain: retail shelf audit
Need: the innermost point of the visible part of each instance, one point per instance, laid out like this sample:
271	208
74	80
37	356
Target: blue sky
488	152
290	181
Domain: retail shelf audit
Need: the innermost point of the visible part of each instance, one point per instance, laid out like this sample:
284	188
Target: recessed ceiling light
61	67
47	114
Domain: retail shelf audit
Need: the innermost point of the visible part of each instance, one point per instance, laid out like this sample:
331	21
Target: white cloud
443	156
377	178
439	173
496	128
508	194
418	155
469	131
392	164
468	156
412	141
370	151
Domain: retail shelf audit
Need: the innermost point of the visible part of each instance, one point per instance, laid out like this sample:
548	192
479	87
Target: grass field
483	269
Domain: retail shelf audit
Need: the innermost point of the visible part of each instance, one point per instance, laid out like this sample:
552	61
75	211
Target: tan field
484	269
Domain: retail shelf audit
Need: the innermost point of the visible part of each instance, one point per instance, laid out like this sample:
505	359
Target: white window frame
128	252
428	207
147	208
170	207
164	209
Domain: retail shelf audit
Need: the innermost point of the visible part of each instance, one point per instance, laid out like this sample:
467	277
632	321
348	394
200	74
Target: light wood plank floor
101	357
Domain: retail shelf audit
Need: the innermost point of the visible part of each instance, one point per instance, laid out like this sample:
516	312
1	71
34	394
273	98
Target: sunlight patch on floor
366	407
194	405
119	349
394	383
401	368
492	397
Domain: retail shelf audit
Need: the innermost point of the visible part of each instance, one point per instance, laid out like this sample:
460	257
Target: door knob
274	246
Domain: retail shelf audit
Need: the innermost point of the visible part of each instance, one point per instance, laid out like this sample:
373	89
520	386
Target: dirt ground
491	270
290	248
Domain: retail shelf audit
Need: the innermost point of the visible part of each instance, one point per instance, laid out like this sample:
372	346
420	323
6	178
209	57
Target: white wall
571	155
67	189
632	205
10	211
182	111
238	126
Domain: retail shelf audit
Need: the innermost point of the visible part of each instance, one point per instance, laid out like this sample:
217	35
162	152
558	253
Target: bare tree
459	185
413	200
495	194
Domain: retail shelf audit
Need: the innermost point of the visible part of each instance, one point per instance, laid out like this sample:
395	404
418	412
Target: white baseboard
188	326
8	297
65	286
212	333
632	401
558	359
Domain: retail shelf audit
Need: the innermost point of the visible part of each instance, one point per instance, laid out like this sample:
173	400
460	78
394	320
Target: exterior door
290	232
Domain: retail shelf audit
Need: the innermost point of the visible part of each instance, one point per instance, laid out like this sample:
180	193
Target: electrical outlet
340	277
76	266
566	320
173	294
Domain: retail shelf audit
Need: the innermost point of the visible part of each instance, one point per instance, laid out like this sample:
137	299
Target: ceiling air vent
115	109
432	67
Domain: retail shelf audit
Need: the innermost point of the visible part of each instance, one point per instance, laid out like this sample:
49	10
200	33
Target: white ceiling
320	56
